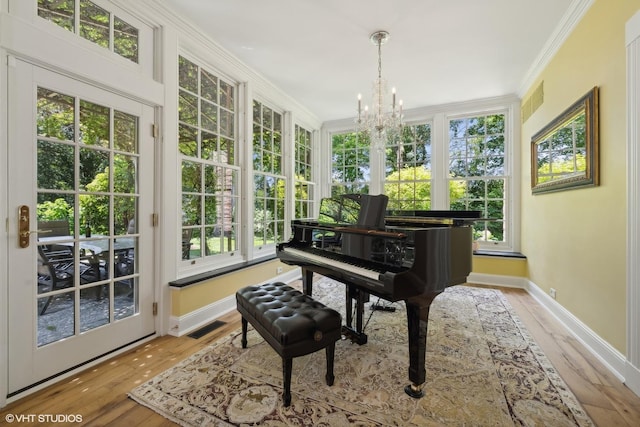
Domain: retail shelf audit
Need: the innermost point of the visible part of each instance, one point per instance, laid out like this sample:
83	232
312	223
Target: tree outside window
477	168
269	179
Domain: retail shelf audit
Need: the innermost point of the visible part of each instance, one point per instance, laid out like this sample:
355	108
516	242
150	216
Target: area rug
483	369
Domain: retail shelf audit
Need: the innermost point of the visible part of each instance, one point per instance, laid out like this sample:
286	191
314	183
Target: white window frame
439	118
187	267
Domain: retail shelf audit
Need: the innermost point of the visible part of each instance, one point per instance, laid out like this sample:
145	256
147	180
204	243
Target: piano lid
452	217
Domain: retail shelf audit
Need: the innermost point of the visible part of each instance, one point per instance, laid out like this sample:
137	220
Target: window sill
197	278
499	254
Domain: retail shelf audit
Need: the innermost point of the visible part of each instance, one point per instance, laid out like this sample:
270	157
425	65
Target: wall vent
531	104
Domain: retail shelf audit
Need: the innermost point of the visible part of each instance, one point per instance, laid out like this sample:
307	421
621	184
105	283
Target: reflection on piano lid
362	210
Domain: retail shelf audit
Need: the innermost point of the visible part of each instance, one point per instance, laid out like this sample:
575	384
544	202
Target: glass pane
125	130
267	117
59	12
190	209
94	23
191	176
187	235
94	307
188	108
56	166
226	123
124	250
187	75
125	172
210	210
125	40
125	300
209	146
226	151
188	140
94	124
94	170
211	178
55	115
124	214
208	86
227	98
56	317
56	267
94	213
208	116
277	121
214	243
56	207
196	243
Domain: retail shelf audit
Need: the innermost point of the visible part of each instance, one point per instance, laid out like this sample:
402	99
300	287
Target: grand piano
407	255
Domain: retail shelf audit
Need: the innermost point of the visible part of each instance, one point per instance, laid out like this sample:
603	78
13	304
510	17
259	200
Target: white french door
80	184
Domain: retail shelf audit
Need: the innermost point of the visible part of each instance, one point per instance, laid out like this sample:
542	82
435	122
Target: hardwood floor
99	394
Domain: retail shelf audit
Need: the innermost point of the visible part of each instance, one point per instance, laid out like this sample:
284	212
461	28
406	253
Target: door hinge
154	219
155	308
154	130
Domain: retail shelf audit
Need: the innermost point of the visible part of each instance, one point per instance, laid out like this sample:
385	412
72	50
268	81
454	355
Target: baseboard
613	360
632	378
182	325
498	280
609	356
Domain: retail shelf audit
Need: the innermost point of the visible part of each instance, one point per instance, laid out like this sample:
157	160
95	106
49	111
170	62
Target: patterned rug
483	369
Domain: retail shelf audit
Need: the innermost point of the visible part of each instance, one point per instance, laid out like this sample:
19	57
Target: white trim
574	14
4	235
632	31
602	350
181	325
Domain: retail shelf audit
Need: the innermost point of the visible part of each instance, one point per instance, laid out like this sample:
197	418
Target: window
93	23
350	172
210	178
268	175
408	169
444	161
304	187
477	177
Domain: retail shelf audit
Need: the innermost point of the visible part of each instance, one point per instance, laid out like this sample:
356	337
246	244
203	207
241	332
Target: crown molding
569	21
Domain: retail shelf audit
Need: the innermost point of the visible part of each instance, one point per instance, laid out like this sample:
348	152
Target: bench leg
330	351
287	365
244	332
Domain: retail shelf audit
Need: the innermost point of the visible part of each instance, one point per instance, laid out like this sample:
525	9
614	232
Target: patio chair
56	271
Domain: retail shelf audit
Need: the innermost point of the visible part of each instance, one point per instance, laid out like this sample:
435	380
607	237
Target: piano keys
398	256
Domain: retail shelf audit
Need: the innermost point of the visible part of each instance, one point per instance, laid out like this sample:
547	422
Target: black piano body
398	256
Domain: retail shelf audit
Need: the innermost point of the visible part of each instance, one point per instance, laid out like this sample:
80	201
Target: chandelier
383	121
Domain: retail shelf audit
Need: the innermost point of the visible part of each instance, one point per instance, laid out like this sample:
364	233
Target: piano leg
360	296
307	281
417	319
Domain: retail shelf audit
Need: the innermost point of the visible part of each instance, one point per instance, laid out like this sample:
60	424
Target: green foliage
52	210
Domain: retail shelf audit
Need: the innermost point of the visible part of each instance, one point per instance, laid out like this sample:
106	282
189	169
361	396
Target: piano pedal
356	337
382	307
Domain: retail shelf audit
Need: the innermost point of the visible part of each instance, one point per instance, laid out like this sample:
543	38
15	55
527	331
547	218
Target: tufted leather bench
293	323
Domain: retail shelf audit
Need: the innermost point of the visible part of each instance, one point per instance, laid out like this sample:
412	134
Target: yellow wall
196	296
516	267
575	240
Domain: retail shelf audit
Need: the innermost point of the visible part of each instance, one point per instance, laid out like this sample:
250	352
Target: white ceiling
440	51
